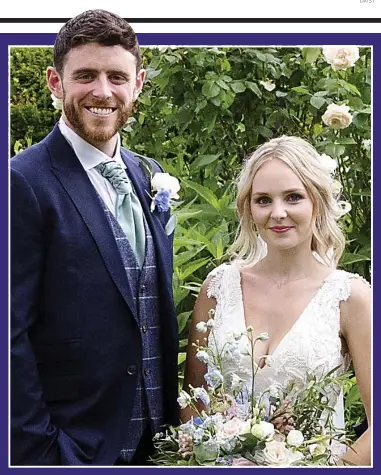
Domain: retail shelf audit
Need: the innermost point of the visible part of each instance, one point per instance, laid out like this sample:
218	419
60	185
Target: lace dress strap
343	280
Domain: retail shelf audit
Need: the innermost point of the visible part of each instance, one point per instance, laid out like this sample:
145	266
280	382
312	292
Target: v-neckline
304	311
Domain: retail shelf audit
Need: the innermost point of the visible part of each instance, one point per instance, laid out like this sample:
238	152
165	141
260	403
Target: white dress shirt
90	157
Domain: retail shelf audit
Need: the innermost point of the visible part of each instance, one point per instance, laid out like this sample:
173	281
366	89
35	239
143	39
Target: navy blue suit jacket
73	331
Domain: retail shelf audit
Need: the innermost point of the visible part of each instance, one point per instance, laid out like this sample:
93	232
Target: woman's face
281	208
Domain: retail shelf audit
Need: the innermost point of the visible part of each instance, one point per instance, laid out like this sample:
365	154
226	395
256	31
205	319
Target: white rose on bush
337	117
341	57
295	438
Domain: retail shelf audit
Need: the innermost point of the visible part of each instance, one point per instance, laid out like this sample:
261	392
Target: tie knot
116	175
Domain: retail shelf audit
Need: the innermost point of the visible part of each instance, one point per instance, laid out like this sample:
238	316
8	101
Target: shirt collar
87	154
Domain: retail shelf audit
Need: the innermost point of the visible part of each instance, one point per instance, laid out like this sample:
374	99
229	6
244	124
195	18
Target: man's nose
102	88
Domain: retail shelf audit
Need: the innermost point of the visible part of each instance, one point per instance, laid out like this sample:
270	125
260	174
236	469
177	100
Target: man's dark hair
95	26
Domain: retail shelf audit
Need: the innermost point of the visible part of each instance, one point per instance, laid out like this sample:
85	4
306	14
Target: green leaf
181	357
334	150
265	132
301	90
183	215
210	89
190	269
349	258
186	256
317	101
182	320
204	192
222	84
346	141
203	160
254	88
311	54
238	86
360	120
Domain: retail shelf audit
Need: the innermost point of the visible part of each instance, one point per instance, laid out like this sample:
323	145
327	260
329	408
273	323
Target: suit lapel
69	171
160	239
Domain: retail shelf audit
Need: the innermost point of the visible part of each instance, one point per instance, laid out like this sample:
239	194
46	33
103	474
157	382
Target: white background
222	9
196	8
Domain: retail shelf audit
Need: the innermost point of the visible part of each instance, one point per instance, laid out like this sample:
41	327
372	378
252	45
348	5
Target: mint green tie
129	211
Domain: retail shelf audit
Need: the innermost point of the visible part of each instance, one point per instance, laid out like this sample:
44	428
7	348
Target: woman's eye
294	197
263	200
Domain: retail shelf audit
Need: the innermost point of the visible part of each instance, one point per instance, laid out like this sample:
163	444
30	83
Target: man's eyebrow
119	72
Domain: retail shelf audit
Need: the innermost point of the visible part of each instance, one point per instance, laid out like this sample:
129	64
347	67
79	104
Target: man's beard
91	134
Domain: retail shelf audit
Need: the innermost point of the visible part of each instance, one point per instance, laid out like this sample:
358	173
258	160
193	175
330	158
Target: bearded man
94	337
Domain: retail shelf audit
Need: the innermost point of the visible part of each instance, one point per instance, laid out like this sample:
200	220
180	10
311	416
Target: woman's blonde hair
316	174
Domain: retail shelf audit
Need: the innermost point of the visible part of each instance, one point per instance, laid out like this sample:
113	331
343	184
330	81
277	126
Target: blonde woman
283	280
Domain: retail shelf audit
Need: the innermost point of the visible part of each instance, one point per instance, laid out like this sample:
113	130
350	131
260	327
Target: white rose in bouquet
276	453
295	438
262	430
341	57
337	117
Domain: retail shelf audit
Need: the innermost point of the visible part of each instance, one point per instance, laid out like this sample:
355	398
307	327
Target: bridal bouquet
233	426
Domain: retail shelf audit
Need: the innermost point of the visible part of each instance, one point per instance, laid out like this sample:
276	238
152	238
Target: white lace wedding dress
312	345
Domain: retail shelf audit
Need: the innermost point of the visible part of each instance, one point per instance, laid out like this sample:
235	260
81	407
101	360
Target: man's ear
54	82
139	83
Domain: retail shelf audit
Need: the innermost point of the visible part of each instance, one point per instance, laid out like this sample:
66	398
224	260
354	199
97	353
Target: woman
283	280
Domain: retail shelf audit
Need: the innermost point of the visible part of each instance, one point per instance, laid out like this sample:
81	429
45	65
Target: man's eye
118	79
85	77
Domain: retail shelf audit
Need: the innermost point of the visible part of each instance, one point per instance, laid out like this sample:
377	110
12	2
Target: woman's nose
278	210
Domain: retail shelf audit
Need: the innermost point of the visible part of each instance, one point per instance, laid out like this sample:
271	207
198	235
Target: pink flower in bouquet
242	462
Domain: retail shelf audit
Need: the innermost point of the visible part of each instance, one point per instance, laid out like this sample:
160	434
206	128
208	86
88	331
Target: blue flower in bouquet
213	377
203	356
184	400
198	434
198	421
214	421
188	427
202	395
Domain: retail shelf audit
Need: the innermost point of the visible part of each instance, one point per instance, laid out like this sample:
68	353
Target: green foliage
32	115
201	112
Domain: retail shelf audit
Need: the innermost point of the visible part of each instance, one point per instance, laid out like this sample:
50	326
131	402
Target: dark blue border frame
188	39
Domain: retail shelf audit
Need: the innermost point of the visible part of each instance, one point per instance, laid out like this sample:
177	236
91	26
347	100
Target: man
94	333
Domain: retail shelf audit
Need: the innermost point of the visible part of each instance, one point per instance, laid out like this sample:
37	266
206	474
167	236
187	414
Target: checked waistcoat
148	405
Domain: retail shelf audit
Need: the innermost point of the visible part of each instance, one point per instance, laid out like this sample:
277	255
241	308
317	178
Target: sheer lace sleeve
346	288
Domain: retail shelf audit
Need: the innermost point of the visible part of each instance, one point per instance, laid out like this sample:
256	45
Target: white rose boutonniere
165	187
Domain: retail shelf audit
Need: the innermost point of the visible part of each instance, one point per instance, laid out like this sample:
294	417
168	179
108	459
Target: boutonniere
164	187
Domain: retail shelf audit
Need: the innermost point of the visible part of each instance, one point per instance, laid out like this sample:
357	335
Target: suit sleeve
34	440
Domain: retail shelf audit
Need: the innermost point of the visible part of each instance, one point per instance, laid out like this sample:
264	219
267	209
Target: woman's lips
281	229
